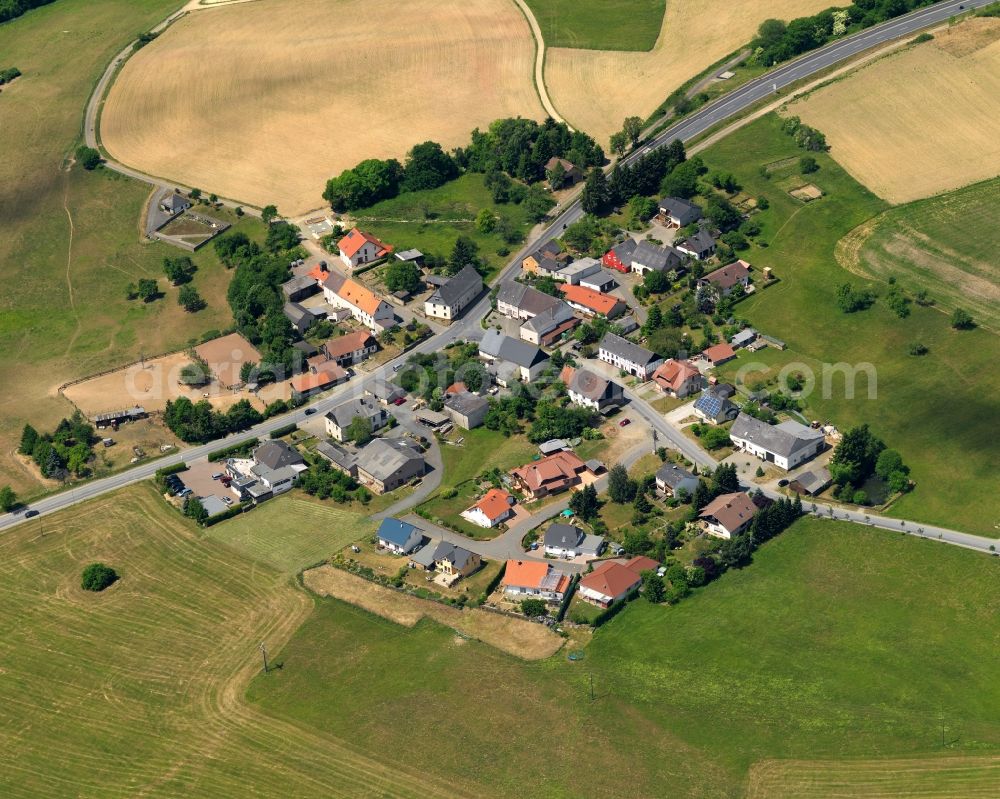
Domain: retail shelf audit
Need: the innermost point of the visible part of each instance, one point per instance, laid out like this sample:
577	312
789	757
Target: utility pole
591	686
263	651
655	440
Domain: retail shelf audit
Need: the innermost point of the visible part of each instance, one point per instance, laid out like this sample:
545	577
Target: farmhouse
449	300
671	478
620	256
569	541
398	536
786	445
677	378
549	254
364	305
572	172
454	561
714	408
699	246
612	581
358	247
320	379
726	279
466	409
338	457
728	515
526	360
623	354
339	418
650	258
534	578
384	465
592	303
495	507
719	354
679	213
591	391
550	475
385	392
352	348
545	317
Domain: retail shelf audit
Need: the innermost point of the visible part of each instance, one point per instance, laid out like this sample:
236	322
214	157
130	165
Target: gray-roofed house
174	203
399	536
623	354
521	301
573	273
298	288
620	256
339	418
678	212
713	408
744	338
699	246
339	458
301	318
455	561
671	478
528	359
589	390
423	558
466	409
602	280
386	464
546	327
277	455
449	300
650	258
812	481
786	445
384	391
569	541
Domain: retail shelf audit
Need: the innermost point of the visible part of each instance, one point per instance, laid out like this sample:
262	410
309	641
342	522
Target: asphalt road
697	123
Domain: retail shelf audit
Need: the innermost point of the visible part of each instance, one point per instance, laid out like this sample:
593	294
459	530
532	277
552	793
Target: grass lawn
937	410
291	532
945	245
599	24
432	220
71	240
829	647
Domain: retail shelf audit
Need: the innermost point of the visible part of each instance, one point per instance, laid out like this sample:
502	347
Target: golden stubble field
595	90
264	101
920	122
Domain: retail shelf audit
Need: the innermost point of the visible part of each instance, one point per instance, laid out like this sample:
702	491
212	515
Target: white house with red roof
534	578
495	507
358	247
613	580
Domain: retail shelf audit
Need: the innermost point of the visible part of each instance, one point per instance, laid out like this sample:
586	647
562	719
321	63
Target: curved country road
540	87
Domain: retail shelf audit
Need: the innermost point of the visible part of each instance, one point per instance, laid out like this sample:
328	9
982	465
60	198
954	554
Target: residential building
455	561
623	354
301	318
549	326
619	257
744	338
728	515
602	280
545	317
527	360
364	304
671	478
786	445
614	580
174	204
524	579
385	392
495	507
319	379
591	391
679	213
358	247
298	288
398	536
727	278
272	470
339	418
700	246
448	301
719	354
386	464
650	258
351	348
466	409
592	303
713	408
569	541
547	252
339	458
572	172
574	272
278	454
550	475
811	482
678	378
423	556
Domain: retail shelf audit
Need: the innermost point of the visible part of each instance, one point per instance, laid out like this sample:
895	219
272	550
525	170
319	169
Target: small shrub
97	577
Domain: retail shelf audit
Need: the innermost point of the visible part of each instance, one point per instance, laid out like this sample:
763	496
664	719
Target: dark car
310	411
782	482
30	514
624	422
399	401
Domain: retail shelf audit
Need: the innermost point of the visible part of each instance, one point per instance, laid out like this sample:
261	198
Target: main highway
697	123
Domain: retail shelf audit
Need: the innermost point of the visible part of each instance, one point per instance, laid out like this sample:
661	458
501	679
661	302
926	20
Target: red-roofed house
719	354
496	506
325	376
364	304
612	580
728	515
678	378
351	348
551	475
358	247
534	578
592	302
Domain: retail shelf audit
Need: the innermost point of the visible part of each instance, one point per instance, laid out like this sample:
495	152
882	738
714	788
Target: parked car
399	401
310	411
217	476
782	482
228	500
625	423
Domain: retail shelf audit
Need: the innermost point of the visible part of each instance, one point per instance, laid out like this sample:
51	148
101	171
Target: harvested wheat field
596	90
262	102
943	777
920	122
514	636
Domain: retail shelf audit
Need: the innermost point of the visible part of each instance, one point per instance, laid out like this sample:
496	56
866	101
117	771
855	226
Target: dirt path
69	268
543	92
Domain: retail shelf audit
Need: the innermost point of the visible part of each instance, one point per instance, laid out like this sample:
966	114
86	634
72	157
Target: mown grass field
599	24
945	245
432	220
292	531
71	240
937	410
832	646
138	691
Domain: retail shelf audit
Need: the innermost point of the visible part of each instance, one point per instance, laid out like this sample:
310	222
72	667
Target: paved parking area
198	478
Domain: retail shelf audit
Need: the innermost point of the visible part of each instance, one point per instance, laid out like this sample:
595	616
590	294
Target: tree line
67	450
11	9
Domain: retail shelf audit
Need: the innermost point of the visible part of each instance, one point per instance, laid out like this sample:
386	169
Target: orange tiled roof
326	376
588	298
565	465
319	273
720	352
345	345
494	504
360	296
356	239
673	374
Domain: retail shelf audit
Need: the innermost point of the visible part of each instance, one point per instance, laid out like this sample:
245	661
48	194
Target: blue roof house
398	536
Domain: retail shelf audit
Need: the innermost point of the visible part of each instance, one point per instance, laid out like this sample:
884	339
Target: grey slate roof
624	250
382	458
460	285
276	454
556	314
175	202
594	387
702	241
344	413
685	212
526	298
672	475
784	439
628	351
338	456
504	348
297	284
385	391
744	337
425	555
659	259
814	480
466	403
566	536
459	556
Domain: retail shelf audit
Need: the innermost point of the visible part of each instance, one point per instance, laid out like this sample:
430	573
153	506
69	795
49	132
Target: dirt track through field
920	122
264	101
